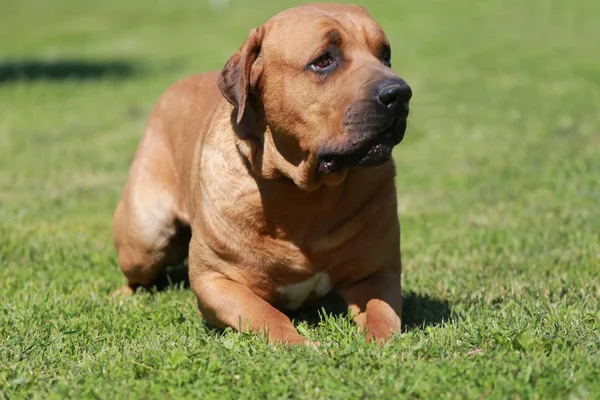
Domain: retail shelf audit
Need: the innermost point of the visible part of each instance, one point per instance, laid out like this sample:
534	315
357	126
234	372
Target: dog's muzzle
374	126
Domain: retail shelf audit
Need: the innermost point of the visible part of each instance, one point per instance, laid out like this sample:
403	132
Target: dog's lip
378	149
374	150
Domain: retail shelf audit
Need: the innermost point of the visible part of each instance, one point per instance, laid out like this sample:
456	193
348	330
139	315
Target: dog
274	177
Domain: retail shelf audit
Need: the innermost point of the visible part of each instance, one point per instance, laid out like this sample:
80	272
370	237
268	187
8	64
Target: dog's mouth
372	152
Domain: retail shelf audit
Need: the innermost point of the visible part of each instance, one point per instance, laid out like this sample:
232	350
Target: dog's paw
122	294
291	339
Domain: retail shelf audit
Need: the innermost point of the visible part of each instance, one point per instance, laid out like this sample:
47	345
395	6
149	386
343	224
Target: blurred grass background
498	186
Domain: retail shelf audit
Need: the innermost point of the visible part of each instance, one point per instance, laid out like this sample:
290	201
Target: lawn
499	199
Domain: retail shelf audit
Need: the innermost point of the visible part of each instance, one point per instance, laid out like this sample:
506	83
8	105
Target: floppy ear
241	74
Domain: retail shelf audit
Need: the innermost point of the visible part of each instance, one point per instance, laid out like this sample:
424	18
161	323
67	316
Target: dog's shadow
173	277
422	310
418	310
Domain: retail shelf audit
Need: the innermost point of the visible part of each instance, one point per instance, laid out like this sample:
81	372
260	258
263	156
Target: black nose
393	92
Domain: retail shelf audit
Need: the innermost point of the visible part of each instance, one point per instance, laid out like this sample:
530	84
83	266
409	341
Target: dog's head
315	83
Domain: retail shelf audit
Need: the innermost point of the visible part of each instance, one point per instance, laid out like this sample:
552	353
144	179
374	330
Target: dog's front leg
376	304
225	303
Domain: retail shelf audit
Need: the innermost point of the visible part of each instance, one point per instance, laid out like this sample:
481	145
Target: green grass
499	199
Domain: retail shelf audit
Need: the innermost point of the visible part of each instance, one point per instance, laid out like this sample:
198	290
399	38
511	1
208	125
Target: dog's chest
293	296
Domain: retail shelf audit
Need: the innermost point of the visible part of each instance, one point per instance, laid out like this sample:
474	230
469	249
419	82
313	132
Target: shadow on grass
32	70
418	310
173	277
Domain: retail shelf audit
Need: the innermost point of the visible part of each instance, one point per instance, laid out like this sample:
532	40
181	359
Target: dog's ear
241	75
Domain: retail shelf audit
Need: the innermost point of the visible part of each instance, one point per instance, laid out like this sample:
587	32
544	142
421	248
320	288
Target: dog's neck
267	161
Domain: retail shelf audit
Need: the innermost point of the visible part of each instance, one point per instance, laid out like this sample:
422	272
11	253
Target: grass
499	199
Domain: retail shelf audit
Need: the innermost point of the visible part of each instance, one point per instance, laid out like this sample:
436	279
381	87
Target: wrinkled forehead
299	31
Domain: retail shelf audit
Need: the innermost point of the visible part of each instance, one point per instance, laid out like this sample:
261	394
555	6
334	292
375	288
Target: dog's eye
322	63
386	56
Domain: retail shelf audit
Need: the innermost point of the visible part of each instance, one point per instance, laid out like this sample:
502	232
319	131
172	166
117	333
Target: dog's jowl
280	168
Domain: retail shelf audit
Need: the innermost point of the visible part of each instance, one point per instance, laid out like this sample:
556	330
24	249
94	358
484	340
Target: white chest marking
296	294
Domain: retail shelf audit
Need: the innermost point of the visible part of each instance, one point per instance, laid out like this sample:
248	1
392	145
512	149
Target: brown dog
284	178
